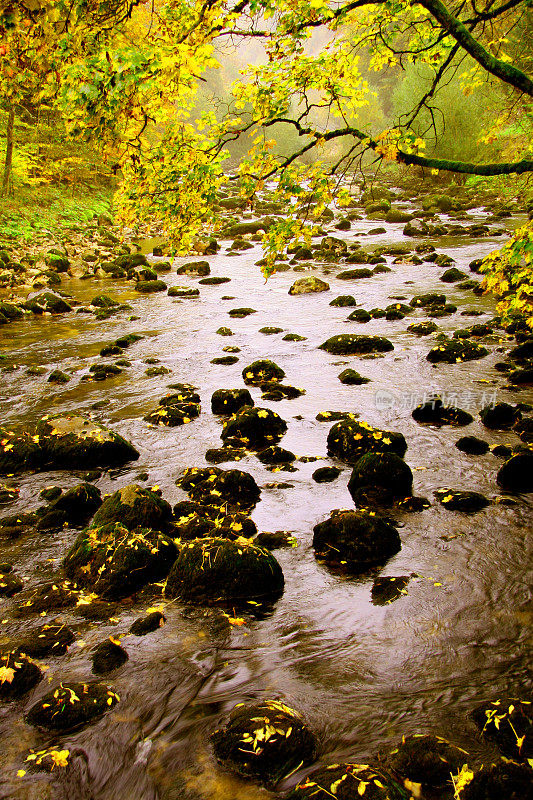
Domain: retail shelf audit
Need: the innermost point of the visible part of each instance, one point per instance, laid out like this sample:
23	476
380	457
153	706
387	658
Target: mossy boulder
18	675
19	452
10	583
264	740
149	287
434	412
50	639
47	302
386	474
500	416
134	507
350	377
508	723
228	401
254	427
309	285
183	291
354	274
196	521
472	446
218	487
466	501
453	275
173	414
453	351
200	268
71	706
422	328
355	541
387	589
343	301
349	781
345	344
502	780
426	759
350	439
77	504
326	474
68	439
275	455
217	569
262	371
128	261
114	561
359	315
148	623
108	656
11	311
428	300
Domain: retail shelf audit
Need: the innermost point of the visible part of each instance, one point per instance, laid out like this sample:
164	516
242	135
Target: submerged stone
108	656
455	500
387	589
68	439
265	740
50	639
502	780
500	416
217	569
147	624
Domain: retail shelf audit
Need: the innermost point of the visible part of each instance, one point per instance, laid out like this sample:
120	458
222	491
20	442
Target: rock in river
264	740
384	473
219	569
254	427
355	540
71	706
346	344
134	507
308	285
349	440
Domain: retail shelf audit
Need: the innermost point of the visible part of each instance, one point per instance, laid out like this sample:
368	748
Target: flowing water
361	674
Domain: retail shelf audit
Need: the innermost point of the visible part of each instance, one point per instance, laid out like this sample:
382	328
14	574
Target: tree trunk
7	182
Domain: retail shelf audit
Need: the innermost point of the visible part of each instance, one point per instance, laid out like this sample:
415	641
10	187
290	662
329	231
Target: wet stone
284	741
422	328
115	562
240	313
254	427
18	675
10	584
148	624
516	474
349	440
453	275
215	486
359	315
434	412
354	274
294	337
200	268
380	478
499	416
225	331
50	639
214	281
352	344
59	377
343	301
350	781
8	494
220	455
350	377
466	501
173	414
270	330
279	391
472	445
183	291
69	439
505	721
72	706
153	372
228	401
262	371
326	474
275	455
387	589
502	780
134	507
49	597
225	360
428	760
355	541
455	350
217	569
148	287
273	540
308	285
108	656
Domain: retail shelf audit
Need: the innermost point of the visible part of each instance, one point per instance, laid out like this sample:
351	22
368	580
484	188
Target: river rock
422	328
350	439
508	722
183	291
18	675
326	474
499	416
354	274
114	561
452	351
262	371
228	401
200	268
265	740
472	445
386	589
308	286
343	301
219	569
148	287
434	412
352	344
516	474
215	486
68	439
47	302
19	452
428	760
384	473
355	540
172	414
134	507
10	583
197	520
77	504
147	624
502	780
347	782
455	500
350	377
71	706
50	639
255	427
359	315
108	656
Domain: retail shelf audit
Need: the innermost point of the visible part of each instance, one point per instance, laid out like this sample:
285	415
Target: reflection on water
362	675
